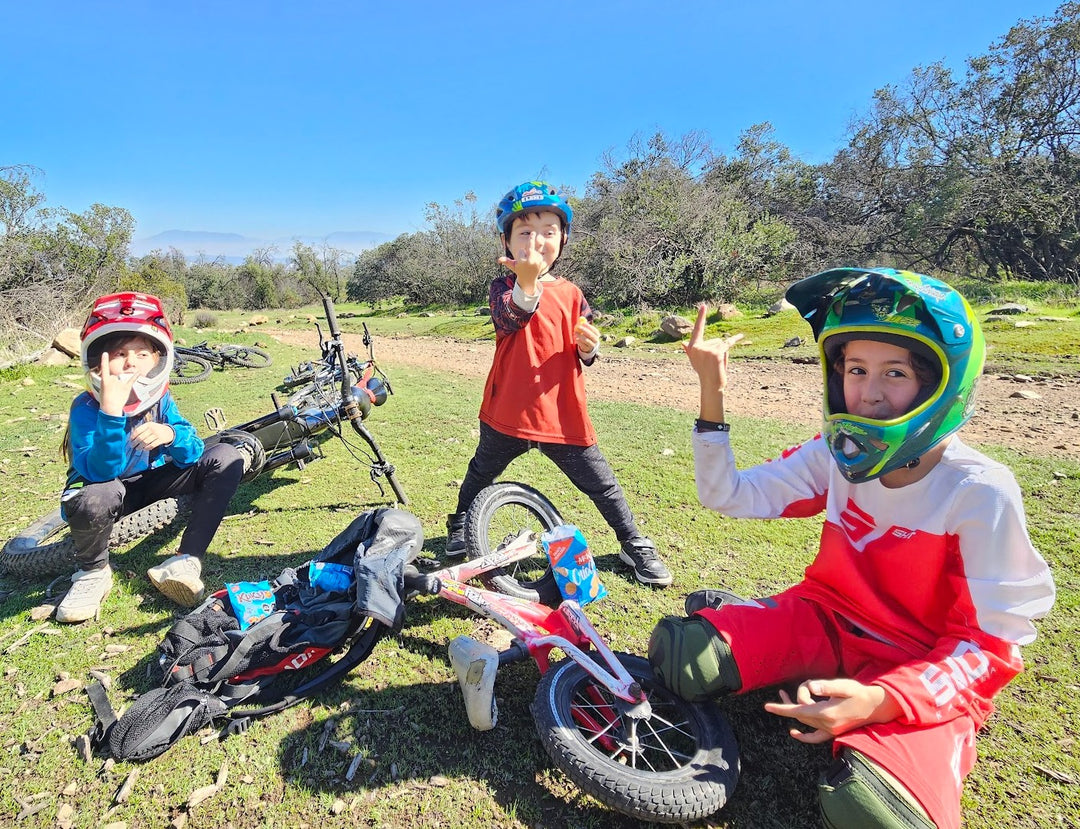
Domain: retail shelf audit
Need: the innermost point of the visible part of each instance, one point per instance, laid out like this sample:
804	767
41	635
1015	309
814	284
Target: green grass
402	711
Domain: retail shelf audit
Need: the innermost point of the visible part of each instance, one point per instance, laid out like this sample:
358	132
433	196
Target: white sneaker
179	577
476	664
83	599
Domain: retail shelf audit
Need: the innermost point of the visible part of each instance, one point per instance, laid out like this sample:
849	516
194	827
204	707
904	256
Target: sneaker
640	553
710	599
83	600
455	535
180	578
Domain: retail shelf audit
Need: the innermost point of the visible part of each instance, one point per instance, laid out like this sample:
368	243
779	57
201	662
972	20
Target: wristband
710	426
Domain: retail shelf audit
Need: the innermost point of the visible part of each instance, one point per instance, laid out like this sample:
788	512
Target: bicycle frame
536	628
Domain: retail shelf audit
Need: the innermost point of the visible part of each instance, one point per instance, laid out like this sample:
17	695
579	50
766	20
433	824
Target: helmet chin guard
902	308
129	314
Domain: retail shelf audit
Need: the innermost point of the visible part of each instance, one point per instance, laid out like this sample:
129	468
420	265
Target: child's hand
152	435
115	388
833	706
709	358
529	265
586	335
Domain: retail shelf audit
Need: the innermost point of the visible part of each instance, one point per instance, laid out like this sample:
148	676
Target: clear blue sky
290	118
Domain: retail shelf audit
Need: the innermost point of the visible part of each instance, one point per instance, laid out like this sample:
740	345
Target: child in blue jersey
128	446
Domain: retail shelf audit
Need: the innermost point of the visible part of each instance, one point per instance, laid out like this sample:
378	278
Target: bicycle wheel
674	763
248	356
189	369
45	548
500	512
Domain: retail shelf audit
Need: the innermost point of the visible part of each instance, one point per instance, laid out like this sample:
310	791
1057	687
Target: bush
205	319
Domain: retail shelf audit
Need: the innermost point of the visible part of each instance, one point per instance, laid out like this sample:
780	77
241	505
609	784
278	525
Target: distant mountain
234	248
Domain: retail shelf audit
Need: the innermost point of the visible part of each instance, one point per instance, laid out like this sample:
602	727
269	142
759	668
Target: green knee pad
691	658
855	794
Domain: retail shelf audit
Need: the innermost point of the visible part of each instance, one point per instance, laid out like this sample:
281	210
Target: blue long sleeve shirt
101	445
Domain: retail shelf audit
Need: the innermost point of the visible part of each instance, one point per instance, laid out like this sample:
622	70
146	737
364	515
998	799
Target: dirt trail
1045	421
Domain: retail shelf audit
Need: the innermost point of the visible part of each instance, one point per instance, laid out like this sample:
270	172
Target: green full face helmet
902	308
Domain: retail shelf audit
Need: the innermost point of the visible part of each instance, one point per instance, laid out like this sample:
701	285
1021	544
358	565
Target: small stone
64	816
337	807
71	789
42	612
201	794
1026	395
28	381
65	686
438	780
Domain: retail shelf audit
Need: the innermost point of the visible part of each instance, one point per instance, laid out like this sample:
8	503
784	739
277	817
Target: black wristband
710	426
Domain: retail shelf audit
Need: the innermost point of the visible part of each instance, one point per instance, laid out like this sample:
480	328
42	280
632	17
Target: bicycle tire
679	764
45	548
189	369
501	511
248	356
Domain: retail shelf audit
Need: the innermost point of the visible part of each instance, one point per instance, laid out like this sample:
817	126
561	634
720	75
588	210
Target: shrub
205	319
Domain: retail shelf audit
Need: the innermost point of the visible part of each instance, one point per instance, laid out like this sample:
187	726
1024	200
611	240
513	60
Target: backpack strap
104	714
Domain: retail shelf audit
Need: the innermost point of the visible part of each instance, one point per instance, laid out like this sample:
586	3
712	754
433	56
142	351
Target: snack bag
251	601
572	564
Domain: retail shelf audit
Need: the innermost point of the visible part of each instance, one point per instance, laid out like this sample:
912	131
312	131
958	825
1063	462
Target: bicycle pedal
215	419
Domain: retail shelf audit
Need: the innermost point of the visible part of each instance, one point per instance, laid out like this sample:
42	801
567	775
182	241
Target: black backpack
212	667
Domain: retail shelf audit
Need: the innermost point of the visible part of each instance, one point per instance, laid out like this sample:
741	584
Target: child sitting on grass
910	618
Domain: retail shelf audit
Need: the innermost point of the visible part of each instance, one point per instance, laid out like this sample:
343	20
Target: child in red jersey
910	618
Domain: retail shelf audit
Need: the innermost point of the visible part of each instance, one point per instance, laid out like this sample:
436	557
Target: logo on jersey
857	523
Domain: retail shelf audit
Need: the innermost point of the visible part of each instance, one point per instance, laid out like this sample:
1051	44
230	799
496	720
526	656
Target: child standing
535	391
910	618
128	446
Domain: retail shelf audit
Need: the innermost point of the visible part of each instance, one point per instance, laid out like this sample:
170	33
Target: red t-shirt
536	387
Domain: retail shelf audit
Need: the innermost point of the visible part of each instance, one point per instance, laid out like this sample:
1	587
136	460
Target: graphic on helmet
124	315
532	197
917	312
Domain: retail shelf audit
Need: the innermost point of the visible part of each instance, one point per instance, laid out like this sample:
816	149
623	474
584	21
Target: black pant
92	510
585	466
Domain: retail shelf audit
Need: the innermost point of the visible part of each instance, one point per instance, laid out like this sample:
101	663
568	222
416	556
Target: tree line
976	176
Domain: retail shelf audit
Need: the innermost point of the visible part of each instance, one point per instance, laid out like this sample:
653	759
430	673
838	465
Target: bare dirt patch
1039	416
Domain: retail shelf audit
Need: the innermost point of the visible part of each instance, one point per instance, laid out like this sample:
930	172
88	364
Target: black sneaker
640	553
711	599
455	535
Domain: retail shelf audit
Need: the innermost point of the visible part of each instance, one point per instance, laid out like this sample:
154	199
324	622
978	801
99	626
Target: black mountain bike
291	434
192	364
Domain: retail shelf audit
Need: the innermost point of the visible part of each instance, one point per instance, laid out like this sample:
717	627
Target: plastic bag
572	564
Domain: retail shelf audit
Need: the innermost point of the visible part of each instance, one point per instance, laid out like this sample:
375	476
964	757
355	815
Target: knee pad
689	656
856	793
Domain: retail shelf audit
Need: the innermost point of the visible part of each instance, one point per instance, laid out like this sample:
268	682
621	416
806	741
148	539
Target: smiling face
541	231
880	381
134	355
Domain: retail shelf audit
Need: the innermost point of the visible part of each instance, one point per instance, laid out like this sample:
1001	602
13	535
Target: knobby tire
501	511
683	767
45	548
248	356
188	369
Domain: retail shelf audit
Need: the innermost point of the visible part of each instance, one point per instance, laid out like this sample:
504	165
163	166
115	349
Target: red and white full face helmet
128	314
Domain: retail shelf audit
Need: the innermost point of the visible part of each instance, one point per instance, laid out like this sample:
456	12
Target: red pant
787	639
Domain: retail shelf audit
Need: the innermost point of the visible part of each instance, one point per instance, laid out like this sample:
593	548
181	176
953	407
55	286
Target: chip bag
572	564
251	601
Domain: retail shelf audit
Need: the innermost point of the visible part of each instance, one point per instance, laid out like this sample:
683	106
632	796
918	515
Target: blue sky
279	119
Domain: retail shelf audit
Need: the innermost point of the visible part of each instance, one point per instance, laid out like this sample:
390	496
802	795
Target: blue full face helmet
902	308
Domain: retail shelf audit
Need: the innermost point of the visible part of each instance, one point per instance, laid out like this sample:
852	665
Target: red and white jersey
942	568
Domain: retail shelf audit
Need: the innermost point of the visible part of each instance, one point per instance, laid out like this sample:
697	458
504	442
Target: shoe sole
662	581
177	591
66	620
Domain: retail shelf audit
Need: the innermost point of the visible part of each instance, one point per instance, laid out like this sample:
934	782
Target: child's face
540	231
133	356
879	380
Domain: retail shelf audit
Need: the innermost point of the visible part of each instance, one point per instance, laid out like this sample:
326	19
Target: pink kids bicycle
602	718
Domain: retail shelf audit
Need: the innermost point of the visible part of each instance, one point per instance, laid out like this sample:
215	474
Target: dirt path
1042	418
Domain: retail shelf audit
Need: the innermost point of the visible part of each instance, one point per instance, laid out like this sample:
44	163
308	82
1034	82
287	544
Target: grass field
401	711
